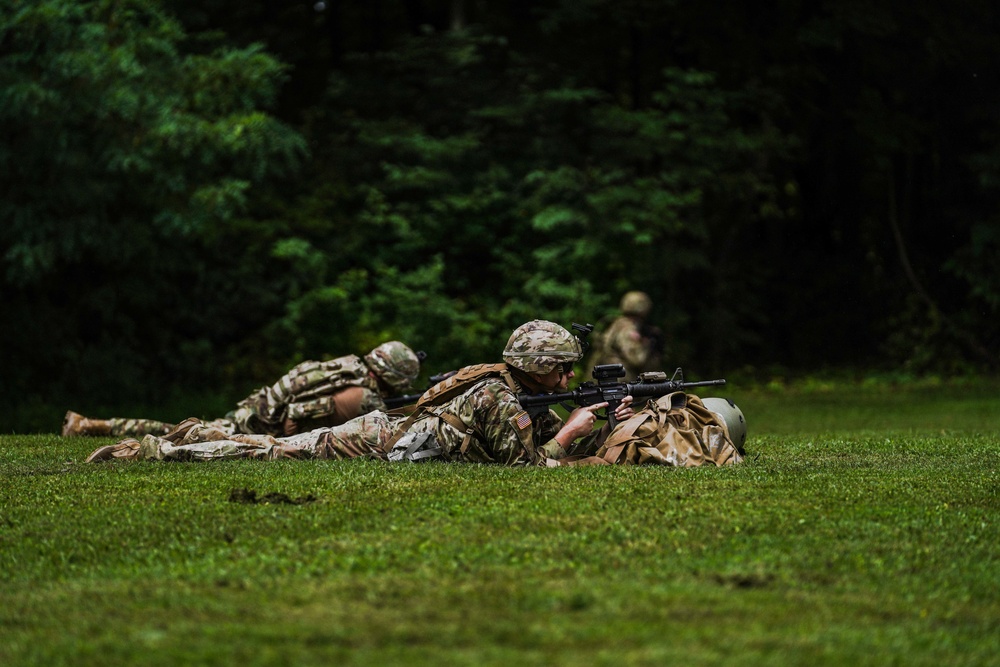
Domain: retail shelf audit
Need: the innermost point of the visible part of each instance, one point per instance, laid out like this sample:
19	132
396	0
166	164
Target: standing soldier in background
629	340
314	394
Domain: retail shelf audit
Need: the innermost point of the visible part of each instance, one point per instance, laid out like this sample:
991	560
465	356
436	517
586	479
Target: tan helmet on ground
636	303
395	364
539	346
729	413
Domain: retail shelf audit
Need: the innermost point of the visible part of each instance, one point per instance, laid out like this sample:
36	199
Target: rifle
607	388
407	399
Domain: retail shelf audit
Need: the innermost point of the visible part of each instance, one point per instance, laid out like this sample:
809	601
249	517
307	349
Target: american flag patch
522	419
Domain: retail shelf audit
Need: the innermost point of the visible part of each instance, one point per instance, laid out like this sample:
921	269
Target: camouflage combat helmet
635	303
395	364
728	411
539	346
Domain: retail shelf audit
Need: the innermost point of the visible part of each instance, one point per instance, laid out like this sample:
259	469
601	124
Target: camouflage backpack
461	381
674	430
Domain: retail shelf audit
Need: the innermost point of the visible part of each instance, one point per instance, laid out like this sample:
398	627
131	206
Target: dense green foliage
200	193
128	161
859	532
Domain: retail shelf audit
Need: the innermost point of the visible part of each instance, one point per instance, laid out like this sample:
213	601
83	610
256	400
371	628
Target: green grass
861	531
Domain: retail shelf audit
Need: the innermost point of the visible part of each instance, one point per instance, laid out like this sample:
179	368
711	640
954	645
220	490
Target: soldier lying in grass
472	416
314	394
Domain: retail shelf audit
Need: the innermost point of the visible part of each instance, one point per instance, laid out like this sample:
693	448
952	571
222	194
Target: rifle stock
400	401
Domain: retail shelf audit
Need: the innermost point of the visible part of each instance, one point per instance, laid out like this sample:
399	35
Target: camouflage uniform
502	433
363	436
498	429
483	424
627	340
311	395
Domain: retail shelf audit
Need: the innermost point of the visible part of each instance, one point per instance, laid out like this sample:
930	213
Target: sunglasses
567	367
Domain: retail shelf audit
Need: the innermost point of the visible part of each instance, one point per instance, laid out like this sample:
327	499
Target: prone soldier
313	394
473	416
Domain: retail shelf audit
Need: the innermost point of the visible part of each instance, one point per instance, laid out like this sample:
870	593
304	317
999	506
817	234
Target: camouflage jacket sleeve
371	402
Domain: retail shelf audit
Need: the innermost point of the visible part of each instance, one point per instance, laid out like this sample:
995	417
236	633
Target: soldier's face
555	380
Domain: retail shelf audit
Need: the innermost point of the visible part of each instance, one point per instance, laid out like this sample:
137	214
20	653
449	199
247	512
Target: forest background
198	194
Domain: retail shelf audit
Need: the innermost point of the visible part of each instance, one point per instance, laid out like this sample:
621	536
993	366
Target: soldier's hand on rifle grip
624	410
580	422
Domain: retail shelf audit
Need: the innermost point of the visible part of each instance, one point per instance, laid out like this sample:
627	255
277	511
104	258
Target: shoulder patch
523	420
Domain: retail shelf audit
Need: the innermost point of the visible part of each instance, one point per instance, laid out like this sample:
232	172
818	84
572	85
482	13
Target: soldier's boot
126	449
76	424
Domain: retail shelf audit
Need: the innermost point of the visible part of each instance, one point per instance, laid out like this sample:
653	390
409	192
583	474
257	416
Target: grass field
862	530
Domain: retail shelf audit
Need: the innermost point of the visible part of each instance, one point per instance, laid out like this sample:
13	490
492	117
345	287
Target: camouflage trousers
362	436
137	428
121	426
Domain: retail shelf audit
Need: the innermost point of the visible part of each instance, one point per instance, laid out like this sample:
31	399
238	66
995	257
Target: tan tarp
674	430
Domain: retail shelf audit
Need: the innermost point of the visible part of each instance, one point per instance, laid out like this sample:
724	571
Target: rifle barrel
649	388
